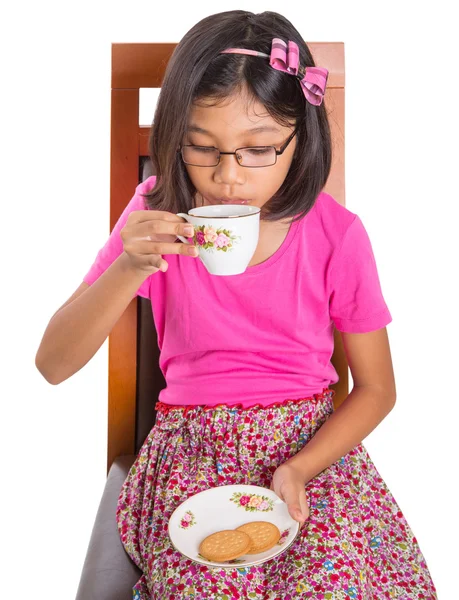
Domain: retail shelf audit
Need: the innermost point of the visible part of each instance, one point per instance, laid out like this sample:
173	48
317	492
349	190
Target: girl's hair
197	71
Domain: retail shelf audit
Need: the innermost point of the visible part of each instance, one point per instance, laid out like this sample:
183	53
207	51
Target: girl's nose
229	171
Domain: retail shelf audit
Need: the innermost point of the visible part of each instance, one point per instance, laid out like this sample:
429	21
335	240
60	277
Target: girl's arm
79	328
371	399
139	240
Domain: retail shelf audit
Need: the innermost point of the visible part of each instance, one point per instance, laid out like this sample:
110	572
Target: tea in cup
226	236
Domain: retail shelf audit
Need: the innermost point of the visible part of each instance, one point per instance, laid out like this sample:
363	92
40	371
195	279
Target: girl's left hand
289	484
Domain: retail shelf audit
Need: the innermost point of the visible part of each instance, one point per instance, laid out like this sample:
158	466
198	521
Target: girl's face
228	127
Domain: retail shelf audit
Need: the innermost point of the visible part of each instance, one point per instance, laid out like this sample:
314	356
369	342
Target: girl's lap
356	541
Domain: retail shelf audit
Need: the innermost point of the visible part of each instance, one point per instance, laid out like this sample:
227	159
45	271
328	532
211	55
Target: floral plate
228	507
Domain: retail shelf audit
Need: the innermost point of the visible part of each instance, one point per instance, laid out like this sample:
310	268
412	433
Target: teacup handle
187	218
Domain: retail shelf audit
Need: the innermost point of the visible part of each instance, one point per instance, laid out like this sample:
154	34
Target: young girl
241	119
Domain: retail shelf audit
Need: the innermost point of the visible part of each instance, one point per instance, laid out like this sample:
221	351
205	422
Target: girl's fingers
142	216
163	265
304	507
147	247
291	497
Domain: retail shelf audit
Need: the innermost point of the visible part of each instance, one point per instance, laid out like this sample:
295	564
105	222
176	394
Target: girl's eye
258	151
202	149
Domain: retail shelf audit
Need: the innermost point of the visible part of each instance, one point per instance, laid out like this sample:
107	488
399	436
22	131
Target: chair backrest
135	379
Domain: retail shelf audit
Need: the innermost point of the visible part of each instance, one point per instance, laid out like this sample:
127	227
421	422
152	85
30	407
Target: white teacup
226	236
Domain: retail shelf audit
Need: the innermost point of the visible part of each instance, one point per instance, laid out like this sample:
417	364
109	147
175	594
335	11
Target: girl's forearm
78	330
360	413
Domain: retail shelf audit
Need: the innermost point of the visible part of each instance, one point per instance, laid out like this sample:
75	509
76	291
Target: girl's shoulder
333	210
147	185
331	219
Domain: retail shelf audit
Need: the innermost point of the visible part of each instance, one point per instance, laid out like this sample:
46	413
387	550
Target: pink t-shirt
265	335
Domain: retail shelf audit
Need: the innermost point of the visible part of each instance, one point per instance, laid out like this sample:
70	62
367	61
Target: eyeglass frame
278	152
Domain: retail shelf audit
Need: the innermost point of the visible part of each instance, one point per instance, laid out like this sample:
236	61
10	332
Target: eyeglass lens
202	156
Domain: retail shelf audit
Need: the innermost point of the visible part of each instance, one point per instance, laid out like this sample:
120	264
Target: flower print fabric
356	543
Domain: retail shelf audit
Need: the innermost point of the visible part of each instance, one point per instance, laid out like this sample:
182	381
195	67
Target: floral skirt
356	542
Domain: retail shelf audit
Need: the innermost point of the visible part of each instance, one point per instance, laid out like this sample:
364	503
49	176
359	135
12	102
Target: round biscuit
264	535
225	545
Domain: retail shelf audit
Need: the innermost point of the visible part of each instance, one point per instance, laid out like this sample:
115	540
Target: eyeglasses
250	156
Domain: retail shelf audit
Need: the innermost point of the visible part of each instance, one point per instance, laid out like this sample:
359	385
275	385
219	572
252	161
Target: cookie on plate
225	545
264	535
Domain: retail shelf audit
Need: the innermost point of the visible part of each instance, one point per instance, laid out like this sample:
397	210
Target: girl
246	358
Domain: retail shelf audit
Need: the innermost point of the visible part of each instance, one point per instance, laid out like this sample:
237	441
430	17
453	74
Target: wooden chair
135	379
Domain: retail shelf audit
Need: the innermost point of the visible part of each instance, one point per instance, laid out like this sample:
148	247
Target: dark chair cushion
108	571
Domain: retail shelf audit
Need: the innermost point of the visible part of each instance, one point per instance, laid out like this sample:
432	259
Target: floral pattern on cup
252	502
188	520
210	238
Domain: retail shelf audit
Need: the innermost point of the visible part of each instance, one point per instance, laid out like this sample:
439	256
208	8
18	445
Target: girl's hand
288	483
150	233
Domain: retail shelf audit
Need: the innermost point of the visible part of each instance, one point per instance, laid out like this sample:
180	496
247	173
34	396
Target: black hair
197	70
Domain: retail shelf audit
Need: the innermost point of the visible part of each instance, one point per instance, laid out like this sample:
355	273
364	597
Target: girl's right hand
150	233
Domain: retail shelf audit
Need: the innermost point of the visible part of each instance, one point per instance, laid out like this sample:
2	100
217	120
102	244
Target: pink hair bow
286	58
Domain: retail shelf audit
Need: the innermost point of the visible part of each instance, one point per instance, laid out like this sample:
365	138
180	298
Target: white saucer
228	507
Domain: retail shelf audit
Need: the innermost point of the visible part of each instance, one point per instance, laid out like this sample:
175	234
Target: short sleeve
113	247
357	304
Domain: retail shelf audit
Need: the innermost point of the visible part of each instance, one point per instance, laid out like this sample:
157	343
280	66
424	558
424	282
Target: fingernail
188	230
193	251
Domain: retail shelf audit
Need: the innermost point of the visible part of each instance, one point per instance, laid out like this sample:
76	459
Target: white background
401	167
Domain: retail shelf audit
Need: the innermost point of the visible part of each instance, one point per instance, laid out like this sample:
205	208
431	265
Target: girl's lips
234	201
